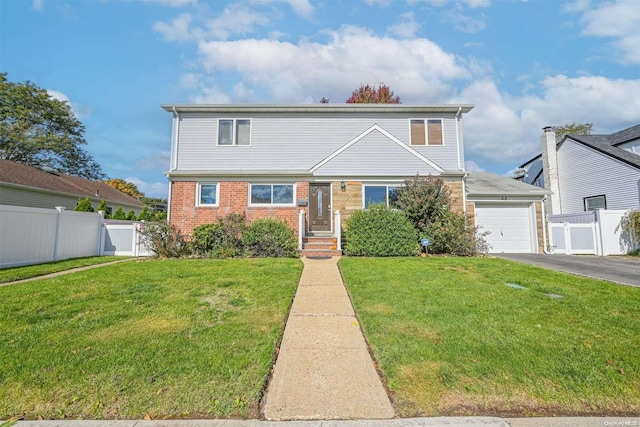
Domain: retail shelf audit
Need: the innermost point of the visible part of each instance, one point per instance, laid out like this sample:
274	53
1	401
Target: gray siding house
279	160
587	172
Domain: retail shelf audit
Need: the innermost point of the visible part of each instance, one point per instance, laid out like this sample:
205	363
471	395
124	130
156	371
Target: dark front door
319	207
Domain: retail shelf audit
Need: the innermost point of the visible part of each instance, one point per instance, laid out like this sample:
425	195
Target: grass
20	273
159	339
451	338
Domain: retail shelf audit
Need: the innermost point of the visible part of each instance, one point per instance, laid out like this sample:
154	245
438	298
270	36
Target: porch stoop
319	246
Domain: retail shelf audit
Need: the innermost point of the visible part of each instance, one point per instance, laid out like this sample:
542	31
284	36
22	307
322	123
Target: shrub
131	216
84	205
270	238
379	231
222	239
422	199
449	233
164	240
119	213
629	229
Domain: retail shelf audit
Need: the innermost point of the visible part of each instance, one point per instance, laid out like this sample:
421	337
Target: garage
509	226
509	210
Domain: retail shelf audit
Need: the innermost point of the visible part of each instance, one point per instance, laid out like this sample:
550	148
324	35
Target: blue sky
524	64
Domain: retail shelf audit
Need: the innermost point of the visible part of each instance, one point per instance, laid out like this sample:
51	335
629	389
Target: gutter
545	221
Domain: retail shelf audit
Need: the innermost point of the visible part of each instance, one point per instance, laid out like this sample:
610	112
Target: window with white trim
595	202
377	194
207	194
426	132
234	132
272	194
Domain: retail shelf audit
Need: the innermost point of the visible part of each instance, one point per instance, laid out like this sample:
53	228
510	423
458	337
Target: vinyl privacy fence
592	233
35	235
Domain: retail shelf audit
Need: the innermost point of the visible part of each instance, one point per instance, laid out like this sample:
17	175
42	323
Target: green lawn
164	338
19	273
451	338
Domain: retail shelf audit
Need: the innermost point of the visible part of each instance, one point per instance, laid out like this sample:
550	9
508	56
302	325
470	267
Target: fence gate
123	238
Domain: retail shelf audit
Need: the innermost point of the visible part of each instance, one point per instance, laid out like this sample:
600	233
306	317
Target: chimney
550	168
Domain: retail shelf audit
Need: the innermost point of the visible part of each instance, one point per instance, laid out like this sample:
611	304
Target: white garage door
509	224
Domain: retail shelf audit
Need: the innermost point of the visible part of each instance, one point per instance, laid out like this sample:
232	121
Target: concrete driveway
623	270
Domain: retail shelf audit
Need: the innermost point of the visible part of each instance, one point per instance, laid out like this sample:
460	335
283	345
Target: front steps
319	246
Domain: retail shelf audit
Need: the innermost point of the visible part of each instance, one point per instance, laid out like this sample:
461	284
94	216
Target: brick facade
233	198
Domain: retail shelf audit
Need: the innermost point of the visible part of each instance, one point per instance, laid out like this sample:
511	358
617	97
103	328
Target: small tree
366	94
125	187
131	216
104	208
145	215
84	205
119	213
572	129
422	199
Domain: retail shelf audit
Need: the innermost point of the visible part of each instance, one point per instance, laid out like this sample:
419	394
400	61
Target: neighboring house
24	185
587	172
278	160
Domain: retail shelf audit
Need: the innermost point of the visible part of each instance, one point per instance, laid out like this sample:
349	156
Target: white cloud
472	166
37	5
179	29
300	7
150	189
463	21
293	72
80	111
235	19
379	3
407	27
619	20
474	4
173	3
504	128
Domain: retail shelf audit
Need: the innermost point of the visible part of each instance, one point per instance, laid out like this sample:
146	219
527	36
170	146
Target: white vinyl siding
296	142
585	172
375	155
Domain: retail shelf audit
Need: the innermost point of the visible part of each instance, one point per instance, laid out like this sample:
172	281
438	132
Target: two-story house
279	160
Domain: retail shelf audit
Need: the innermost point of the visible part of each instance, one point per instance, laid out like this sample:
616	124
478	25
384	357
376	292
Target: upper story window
426	132
595	202
207	194
272	194
377	194
234	132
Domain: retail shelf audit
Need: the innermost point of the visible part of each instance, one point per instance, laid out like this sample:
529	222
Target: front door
319	207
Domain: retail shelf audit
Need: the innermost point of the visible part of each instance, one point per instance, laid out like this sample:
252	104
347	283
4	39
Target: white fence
591	233
35	235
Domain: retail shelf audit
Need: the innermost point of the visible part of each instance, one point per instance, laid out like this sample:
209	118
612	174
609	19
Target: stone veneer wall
233	199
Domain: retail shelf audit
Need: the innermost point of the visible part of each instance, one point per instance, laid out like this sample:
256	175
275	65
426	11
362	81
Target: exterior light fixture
343	186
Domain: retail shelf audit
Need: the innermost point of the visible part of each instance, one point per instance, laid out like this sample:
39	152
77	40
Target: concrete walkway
324	370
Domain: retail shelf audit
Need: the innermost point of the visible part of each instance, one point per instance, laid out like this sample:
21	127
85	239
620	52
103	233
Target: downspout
545	223
175	129
464	195
458	142
175	140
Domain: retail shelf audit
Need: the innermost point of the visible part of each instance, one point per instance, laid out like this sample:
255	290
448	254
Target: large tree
366	94
572	129
39	130
128	188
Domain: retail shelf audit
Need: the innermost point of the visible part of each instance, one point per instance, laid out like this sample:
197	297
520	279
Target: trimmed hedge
380	232
270	238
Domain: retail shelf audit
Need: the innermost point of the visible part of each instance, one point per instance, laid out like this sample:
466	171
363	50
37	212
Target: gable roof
491	184
392	140
29	176
606	144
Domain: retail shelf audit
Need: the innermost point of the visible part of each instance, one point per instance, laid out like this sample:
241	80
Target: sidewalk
324	370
